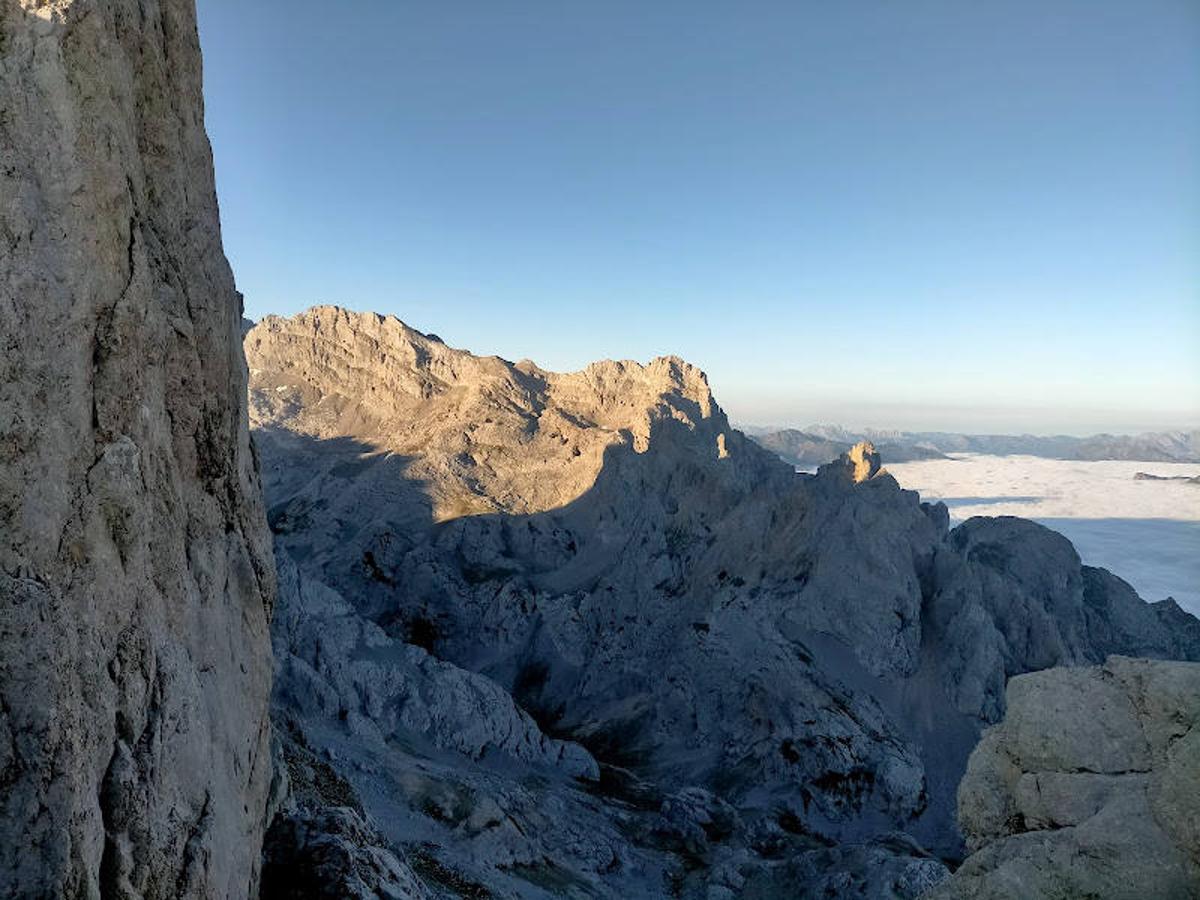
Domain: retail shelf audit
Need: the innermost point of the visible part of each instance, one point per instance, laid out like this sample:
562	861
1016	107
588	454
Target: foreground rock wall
1089	788
136	576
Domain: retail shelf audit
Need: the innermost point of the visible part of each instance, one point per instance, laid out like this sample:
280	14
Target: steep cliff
136	575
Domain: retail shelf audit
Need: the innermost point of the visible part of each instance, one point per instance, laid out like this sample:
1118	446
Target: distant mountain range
819	444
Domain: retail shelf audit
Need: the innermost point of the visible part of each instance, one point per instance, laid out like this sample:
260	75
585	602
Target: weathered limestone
136	575
1089	788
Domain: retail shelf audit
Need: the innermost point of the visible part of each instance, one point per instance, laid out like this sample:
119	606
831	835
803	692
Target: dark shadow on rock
656	577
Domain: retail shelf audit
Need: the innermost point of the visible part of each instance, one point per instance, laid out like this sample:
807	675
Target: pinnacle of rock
865	461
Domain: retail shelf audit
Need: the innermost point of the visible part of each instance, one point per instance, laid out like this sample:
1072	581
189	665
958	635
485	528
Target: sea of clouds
1147	532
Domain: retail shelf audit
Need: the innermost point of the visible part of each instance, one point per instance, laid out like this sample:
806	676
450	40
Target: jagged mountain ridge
812	655
816	444
330	373
807	449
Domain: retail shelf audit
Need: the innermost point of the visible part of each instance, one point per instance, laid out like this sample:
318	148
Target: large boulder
1089	788
136	576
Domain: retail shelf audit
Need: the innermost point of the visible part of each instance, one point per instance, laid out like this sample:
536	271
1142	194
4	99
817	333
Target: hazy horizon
933	216
855	426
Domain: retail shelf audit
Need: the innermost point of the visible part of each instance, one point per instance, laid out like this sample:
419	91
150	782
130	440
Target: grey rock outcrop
333	663
391	776
136	576
1089	788
1011	596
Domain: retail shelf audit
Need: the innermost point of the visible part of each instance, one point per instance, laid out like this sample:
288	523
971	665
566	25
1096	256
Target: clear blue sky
977	216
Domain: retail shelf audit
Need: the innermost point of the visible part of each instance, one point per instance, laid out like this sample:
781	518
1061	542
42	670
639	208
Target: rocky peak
483	433
345	351
859	463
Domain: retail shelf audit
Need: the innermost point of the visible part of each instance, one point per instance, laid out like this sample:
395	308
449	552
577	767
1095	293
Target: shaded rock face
773	673
136	576
1089	788
410	776
1009	596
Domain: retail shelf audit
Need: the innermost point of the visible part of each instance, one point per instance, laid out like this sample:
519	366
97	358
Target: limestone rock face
136	576
1010	596
335	663
399	763
1089	788
483	434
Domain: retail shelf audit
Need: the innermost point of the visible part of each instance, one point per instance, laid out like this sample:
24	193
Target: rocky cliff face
136	576
1089	788
774	673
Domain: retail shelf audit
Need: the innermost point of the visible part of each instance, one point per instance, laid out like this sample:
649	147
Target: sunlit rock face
136	574
1089	788
865	460
483	434
775	673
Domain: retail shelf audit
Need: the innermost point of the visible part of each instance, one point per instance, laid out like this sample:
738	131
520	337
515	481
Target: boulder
1090	787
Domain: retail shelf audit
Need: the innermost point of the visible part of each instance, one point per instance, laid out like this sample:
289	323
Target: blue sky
973	216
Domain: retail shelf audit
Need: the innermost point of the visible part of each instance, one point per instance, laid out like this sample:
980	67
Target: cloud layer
1147	532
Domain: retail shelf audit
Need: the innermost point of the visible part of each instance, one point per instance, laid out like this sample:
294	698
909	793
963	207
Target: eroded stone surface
1090	787
135	566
